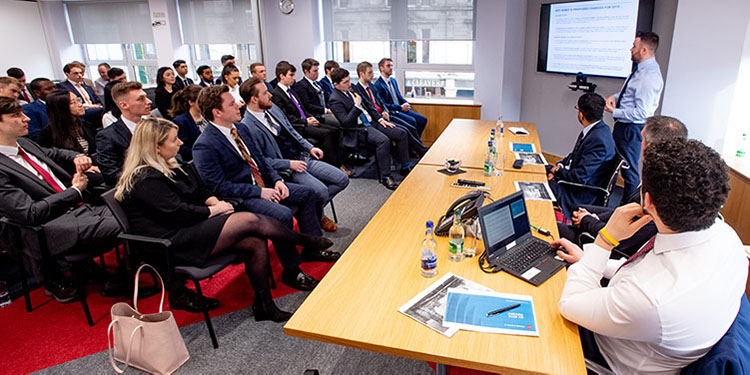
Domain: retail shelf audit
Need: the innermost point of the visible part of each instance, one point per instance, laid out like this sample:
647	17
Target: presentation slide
593	37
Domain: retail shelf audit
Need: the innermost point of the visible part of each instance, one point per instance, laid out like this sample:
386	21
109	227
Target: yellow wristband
609	238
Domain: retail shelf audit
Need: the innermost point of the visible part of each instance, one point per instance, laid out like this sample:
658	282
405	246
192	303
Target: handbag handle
135	290
130	347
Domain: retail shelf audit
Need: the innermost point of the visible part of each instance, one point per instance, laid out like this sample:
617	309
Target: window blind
110	22
219	21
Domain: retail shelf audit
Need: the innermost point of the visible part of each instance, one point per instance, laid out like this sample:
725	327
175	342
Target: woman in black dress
164	199
165	79
65	128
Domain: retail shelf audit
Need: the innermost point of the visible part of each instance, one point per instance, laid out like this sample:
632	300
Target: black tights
248	232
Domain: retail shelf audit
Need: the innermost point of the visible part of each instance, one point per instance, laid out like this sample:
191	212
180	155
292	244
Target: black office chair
604	193
17	234
214	264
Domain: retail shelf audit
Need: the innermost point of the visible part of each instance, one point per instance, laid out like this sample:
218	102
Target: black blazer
344	110
89	134
179	84
366	102
281	99
164	101
111	144
308	97
188	132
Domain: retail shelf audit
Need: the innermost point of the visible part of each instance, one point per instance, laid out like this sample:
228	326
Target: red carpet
54	333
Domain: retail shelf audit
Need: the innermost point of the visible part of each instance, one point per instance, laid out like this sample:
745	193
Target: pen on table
504	309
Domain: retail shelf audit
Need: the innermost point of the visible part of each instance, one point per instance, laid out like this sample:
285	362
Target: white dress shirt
84	94
12	153
99	86
129	124
261	116
641	97
667	308
235	91
228	134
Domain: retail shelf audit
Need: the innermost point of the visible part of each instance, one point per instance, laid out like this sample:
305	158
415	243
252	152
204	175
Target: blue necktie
272	123
392	89
365	122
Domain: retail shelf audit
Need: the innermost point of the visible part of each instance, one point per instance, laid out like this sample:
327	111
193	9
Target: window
431	42
210	54
138	60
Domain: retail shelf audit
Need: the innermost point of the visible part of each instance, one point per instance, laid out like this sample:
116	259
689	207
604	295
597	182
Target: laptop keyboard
525	255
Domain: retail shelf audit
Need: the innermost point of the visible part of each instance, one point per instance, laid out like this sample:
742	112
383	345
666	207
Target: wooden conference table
466	140
357	303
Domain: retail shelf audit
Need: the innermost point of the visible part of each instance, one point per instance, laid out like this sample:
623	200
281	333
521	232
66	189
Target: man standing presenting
636	101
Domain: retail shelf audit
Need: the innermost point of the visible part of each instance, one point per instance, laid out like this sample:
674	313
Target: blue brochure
522	147
508	313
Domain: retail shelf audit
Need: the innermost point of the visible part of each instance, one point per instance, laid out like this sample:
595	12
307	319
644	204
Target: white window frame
128	61
241	53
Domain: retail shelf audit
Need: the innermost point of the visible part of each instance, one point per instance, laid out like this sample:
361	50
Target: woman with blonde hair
164	199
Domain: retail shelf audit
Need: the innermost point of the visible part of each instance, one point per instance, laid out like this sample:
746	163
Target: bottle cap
429	224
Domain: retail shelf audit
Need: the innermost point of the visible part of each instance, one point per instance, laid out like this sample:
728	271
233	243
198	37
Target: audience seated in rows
36	111
26	95
326	135
354	113
589	161
391	95
113	141
311	96
287	151
675	298
165	80
258	70
103	79
188	117
163	198
66	129
231	164
182	80
325	82
75	83
38	191
205	76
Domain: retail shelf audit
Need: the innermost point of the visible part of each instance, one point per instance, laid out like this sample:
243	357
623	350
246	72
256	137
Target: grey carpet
250	347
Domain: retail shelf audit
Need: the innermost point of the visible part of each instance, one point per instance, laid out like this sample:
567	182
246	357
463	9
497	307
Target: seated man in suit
182	81
10	87
258	70
589	162
390	93
368	92
103	79
355	113
287	150
205	75
113	141
227	60
326	136
111	112
36	111
311	94
74	83
35	189
231	164
26	96
325	82
591	219
667	305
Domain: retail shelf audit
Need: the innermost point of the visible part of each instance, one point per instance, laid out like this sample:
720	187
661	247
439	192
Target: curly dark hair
688	183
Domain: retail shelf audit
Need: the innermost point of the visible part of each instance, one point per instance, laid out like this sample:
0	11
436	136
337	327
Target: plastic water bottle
428	253
493	136
489	160
456	238
741	149
500	126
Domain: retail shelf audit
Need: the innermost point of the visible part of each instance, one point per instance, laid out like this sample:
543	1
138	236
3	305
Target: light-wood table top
357	302
466	140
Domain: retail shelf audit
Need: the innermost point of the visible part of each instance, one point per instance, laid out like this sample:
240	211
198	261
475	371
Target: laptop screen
504	222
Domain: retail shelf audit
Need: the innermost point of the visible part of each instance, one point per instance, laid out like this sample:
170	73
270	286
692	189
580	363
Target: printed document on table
468	309
518	131
522	147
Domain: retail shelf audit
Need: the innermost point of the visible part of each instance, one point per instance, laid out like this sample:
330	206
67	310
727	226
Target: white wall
291	37
707	51
25	45
546	99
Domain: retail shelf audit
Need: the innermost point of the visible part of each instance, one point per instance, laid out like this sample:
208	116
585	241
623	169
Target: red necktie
249	159
645	249
43	172
380	110
26	96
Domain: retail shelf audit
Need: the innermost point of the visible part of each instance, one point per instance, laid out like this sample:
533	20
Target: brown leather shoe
347	171
328	225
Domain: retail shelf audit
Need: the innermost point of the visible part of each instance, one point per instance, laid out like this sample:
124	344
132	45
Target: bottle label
456	246
429	263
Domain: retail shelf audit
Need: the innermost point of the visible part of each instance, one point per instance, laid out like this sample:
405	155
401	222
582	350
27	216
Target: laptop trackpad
533	271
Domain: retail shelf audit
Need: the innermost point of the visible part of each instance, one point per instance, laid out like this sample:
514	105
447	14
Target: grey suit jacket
265	140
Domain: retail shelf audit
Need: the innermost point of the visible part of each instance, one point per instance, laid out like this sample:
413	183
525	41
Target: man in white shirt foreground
666	307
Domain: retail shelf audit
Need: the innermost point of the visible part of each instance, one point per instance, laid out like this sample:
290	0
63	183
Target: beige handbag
150	342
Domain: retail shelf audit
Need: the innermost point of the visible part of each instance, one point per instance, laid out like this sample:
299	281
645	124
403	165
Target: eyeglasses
76	101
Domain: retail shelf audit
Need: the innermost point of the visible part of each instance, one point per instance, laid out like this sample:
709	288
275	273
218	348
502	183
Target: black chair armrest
596	189
35	228
145	239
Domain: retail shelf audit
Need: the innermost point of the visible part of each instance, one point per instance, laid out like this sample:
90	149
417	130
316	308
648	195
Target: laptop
509	244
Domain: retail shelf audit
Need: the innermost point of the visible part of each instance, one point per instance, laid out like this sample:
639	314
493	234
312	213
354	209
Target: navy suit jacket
203	84
266	141
590	164
188	132
281	99
111	144
65	85
37	113
224	170
308	97
178	85
343	108
366	102
385	94
327	87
